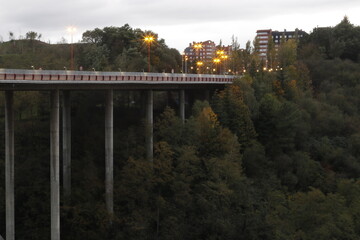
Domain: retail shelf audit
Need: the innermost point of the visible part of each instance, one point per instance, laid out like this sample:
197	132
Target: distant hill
108	49
23	54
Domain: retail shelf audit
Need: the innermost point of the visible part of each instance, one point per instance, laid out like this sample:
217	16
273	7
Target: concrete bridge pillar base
54	165
182	105
109	150
66	116
149	125
9	165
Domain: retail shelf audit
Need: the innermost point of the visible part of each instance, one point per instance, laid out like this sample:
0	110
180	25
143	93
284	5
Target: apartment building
263	37
200	51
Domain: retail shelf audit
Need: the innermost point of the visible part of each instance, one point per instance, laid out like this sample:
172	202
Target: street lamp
197	47
182	62
199	64
71	30
216	61
148	40
220	52
224	58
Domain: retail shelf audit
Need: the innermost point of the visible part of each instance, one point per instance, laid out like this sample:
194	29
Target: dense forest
275	155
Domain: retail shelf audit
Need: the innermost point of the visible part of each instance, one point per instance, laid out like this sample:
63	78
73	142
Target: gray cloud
52	17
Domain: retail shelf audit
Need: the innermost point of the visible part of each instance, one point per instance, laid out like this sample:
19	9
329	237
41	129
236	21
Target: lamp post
224	58
197	47
199	65
148	40
71	30
216	61
182	62
220	52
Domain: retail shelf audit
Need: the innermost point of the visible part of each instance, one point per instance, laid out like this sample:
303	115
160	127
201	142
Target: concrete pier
207	95
66	130
54	165
109	150
149	125
9	166
182	105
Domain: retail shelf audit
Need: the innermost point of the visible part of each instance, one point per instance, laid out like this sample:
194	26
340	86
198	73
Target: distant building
227	49
200	57
204	53
263	37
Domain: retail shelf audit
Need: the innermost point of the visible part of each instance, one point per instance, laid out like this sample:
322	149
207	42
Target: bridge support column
149	125
54	165
207	95
66	116
182	105
9	165
109	151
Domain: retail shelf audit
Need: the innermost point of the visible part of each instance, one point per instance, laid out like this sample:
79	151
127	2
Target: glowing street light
184	60
220	52
71	30
221	55
148	40
197	47
216	61
224	57
199	64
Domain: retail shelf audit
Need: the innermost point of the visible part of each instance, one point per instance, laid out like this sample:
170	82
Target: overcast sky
179	22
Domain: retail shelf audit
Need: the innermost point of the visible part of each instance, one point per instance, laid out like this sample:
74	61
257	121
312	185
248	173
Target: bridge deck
49	79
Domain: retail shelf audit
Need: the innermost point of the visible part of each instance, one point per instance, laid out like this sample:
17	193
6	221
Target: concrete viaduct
65	81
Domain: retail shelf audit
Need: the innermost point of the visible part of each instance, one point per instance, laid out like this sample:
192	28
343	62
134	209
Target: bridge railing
87	76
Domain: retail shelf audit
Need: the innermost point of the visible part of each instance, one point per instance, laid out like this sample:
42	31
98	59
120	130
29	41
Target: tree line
108	49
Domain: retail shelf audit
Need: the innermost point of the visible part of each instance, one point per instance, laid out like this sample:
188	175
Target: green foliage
287	53
234	114
278	124
341	41
107	49
315	215
94	57
125	50
33	35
